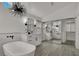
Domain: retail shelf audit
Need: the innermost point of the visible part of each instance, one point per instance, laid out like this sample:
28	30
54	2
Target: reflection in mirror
47	26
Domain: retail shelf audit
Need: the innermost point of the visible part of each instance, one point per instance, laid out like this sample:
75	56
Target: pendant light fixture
18	9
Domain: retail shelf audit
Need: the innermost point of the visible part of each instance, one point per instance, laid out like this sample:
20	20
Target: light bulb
24	19
35	22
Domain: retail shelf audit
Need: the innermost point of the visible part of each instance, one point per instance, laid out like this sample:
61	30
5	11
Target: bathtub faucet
11	36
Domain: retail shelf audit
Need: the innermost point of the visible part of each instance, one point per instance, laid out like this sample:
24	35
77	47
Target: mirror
32	25
56	27
47	27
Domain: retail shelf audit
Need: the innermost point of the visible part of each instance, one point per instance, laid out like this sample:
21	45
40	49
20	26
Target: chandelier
18	9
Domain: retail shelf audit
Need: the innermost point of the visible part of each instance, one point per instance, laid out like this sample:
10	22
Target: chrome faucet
11	36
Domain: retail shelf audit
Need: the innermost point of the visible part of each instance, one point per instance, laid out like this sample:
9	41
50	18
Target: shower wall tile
17	36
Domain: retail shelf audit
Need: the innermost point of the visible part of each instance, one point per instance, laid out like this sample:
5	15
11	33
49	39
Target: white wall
9	23
77	29
77	33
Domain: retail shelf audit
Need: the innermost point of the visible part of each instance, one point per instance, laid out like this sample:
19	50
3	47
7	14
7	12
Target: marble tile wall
17	36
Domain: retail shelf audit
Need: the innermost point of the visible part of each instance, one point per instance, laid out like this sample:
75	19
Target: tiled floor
48	48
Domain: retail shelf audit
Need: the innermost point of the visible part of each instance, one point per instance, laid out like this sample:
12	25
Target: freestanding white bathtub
19	48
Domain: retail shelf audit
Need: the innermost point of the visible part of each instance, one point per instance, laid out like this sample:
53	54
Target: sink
19	48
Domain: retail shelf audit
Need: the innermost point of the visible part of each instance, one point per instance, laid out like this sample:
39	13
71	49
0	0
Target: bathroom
39	28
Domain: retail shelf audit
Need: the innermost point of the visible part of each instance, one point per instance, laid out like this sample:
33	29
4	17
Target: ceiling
47	10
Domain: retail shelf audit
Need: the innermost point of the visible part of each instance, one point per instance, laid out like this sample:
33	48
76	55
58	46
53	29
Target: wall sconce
35	23
57	25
